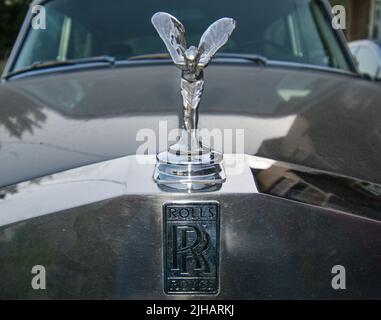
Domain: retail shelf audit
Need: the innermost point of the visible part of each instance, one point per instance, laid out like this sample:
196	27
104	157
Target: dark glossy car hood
323	120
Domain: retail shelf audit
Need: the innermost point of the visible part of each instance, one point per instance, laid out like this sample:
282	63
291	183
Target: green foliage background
344	3
12	13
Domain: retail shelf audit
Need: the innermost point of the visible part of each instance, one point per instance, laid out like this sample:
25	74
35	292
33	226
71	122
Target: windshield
286	30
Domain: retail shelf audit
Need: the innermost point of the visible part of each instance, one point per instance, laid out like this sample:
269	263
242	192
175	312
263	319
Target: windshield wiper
256	58
111	61
56	63
249	57
153	56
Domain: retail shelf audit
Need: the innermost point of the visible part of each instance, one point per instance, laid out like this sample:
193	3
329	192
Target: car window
287	30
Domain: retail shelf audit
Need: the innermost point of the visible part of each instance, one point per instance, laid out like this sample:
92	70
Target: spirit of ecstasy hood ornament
188	165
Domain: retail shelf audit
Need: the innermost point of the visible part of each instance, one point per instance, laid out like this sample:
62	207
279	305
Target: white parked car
368	55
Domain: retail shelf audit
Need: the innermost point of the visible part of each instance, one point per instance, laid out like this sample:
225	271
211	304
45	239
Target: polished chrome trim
131	175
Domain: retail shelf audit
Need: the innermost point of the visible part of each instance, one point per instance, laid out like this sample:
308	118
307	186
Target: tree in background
344	3
12	13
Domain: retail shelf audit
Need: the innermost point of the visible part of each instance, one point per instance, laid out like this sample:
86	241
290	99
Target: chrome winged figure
192	61
189	164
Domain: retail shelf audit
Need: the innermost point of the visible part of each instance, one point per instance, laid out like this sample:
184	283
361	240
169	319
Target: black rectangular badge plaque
191	248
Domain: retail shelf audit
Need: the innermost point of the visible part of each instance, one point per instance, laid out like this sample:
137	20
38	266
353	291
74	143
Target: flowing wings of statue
213	39
172	32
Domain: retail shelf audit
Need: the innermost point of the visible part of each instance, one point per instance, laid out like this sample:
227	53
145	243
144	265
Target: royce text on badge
191	248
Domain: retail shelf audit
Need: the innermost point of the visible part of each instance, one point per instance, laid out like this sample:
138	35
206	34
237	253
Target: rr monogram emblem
196	250
191	238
